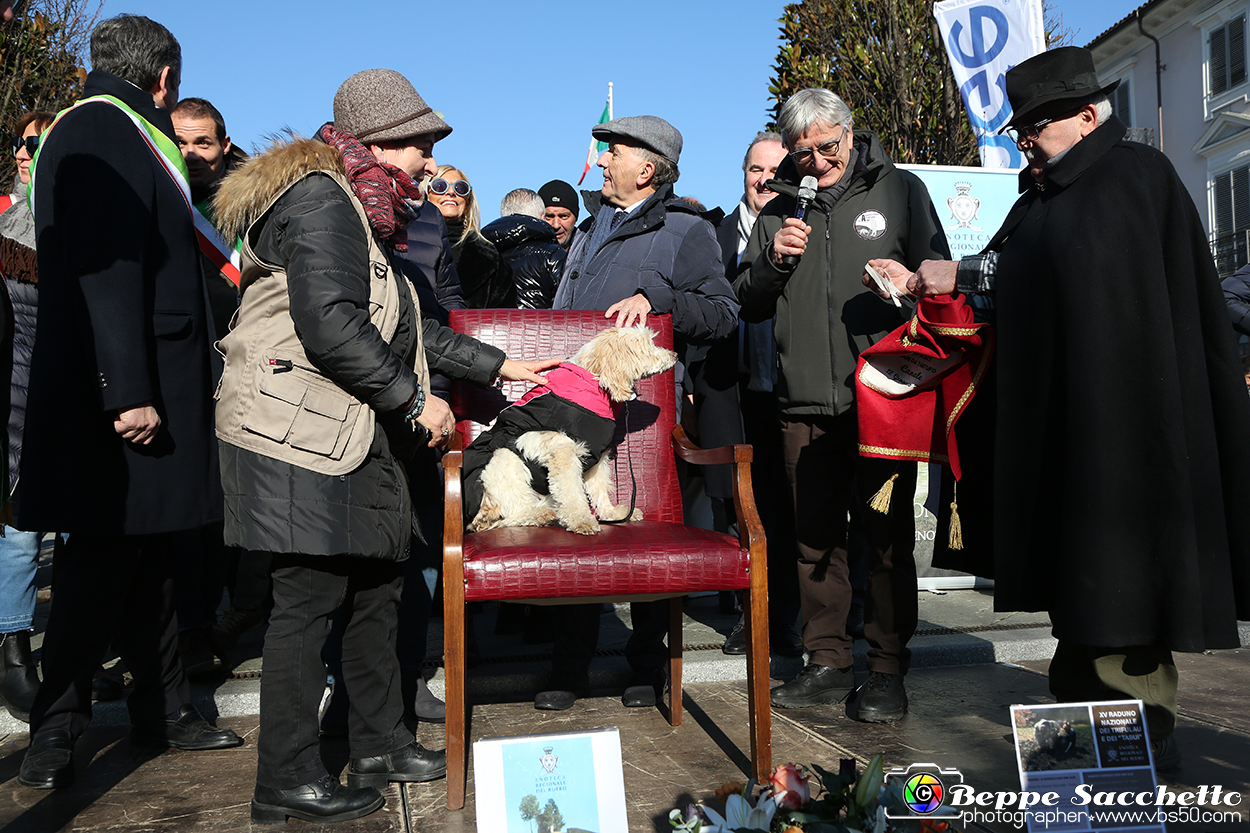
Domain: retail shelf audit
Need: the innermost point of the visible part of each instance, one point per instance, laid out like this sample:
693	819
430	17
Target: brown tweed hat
380	105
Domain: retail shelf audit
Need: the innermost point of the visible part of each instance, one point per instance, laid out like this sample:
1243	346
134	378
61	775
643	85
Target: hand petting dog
527	371
630	311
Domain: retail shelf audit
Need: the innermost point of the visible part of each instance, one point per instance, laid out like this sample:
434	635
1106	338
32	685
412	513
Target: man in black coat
1121	460
735	402
119	442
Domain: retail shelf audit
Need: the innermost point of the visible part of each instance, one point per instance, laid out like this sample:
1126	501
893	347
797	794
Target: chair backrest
529	335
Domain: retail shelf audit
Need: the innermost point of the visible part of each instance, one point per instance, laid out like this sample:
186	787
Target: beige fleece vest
271	399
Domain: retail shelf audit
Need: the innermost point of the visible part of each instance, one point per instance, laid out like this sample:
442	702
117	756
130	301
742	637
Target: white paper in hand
885	284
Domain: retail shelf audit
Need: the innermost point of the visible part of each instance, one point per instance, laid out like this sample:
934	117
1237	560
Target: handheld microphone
807	193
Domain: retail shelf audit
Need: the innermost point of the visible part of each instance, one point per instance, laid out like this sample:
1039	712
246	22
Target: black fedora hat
1063	74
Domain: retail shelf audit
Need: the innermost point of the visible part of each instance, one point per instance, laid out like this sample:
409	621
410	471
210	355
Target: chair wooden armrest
454	637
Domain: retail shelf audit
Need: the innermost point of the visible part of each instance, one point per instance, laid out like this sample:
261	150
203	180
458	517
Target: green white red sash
223	255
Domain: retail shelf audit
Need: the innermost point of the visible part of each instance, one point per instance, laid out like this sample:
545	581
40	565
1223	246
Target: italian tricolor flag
597	147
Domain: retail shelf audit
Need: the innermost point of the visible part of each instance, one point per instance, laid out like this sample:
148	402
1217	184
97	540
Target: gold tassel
956	537
881	500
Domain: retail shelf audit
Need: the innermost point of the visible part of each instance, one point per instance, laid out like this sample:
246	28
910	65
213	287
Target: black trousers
577	636
825	474
772	499
307	592
119	590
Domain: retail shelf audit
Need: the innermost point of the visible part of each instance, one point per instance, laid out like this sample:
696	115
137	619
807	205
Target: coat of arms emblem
963	207
548	760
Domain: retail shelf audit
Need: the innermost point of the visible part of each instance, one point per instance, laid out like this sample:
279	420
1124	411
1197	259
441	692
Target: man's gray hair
807	107
136	49
666	172
522	201
762	136
1102	108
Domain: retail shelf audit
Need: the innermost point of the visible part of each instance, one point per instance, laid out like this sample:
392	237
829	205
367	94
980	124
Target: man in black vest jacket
1120	460
119	450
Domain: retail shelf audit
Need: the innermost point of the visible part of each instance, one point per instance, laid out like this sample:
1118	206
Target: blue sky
520	83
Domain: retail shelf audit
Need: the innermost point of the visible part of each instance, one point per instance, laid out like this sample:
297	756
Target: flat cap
651	132
380	105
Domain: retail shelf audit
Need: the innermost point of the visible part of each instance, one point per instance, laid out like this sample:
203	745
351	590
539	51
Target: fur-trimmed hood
248	190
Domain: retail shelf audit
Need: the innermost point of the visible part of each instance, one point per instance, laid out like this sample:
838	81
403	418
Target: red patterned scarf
380	186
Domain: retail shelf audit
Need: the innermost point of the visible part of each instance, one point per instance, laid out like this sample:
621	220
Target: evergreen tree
42	53
886	59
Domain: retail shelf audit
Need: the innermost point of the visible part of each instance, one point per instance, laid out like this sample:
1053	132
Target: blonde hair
472	217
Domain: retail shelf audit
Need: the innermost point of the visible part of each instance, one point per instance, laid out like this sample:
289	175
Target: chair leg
755	607
674	659
453	671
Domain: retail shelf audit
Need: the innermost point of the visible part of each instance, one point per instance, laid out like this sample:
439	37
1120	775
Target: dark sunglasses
31	143
440	186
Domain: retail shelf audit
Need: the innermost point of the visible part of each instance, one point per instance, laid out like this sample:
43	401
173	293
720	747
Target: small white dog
545	459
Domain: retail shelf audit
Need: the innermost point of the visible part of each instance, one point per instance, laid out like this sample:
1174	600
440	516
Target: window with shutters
1226	56
1230	221
1122	101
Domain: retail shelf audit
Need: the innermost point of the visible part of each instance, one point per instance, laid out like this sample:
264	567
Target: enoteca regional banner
985	38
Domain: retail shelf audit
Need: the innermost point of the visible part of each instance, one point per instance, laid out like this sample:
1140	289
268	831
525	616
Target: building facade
1184	87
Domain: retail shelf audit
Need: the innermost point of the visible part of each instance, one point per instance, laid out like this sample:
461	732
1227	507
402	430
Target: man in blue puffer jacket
648	253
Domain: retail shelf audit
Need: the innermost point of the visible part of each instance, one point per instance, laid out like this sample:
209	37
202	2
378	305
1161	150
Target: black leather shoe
882	699
427	706
736	643
188	731
786	642
408	763
554	700
105	685
814	686
561	693
323	800
49	761
639	696
644	690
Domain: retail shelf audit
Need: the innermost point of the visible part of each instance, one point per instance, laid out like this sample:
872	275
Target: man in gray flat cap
648	253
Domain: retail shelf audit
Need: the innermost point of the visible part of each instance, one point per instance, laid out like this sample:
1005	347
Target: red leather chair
656	557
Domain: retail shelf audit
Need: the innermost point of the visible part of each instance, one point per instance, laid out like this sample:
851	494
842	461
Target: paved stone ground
959	718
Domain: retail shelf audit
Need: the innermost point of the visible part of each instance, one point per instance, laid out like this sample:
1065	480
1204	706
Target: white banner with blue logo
984	39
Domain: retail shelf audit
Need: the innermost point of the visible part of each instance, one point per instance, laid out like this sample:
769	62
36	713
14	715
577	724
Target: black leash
633	482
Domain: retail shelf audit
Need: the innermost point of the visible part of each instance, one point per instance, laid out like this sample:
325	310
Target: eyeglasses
829	150
1030	132
31	143
459	187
